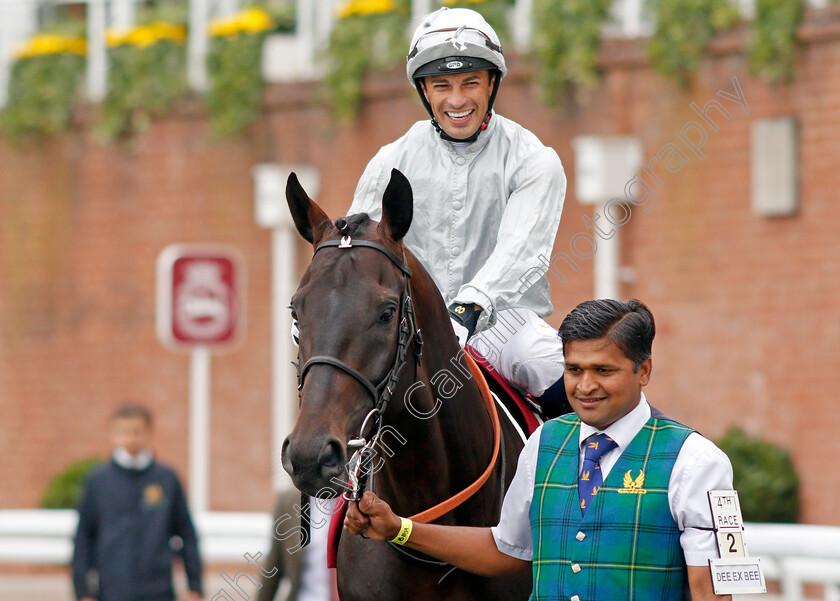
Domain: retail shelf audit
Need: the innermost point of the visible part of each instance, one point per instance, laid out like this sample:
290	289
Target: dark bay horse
359	307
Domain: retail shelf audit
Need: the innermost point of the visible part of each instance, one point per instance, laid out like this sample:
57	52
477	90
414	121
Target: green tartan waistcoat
627	546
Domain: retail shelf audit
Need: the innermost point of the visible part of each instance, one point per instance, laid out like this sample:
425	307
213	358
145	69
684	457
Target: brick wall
746	306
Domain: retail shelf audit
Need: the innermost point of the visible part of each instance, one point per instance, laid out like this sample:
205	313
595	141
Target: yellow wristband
405	531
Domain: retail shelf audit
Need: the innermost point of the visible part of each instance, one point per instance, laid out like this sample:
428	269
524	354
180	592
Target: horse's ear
397	206
306	214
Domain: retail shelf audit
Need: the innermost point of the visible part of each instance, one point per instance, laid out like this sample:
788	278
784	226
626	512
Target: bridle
359	467
380	393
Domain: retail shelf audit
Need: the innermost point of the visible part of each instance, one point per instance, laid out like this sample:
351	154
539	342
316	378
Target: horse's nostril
331	458
284	457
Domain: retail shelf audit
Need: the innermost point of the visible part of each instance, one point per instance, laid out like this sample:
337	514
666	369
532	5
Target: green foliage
284	14
765	478
684	29
42	90
147	74
566	41
143	82
167	11
64	490
772	46
236	84
64	20
495	12
234	67
358	44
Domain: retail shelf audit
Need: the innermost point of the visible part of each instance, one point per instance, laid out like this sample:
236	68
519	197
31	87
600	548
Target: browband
347	242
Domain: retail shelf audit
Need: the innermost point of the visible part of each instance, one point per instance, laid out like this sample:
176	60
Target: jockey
487	201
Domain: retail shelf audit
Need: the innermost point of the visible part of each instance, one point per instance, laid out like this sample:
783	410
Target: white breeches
523	348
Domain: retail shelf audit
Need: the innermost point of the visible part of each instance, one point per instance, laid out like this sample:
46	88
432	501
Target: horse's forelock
354	225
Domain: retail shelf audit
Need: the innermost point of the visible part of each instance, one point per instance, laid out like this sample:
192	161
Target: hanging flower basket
146	76
369	35
234	69
43	85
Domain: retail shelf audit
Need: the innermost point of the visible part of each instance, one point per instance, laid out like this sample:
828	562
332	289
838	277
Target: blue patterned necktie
590	480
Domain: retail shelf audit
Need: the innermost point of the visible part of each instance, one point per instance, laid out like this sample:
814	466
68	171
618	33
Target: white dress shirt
699	467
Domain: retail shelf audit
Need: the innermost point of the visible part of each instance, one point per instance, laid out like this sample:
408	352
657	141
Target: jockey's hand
464	318
372	517
461	333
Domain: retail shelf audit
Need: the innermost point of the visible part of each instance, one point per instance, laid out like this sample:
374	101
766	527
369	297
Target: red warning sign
200	296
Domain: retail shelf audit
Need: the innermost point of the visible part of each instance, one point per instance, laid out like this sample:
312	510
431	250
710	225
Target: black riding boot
553	401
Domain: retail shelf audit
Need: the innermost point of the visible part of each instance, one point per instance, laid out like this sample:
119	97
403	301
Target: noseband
380	393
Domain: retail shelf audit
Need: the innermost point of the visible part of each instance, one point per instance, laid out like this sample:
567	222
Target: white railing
792	554
795	554
45	536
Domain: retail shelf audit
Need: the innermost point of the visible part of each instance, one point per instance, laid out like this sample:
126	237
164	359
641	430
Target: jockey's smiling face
601	382
459	101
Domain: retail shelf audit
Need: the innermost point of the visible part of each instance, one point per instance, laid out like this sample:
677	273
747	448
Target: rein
451	503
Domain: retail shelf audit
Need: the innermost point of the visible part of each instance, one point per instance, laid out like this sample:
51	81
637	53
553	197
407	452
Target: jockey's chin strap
360	462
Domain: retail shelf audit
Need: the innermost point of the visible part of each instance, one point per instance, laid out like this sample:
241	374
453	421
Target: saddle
521	408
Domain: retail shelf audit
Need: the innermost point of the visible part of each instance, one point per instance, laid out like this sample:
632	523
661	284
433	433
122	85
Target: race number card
734	572
726	511
737	575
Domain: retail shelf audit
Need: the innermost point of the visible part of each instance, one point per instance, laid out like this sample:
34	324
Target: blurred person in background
305	568
132	513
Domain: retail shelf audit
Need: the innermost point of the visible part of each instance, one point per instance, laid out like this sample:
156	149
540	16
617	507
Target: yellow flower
144	36
251	20
44	44
350	8
169	31
255	20
226	28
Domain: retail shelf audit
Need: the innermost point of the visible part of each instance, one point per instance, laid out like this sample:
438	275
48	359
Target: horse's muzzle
316	464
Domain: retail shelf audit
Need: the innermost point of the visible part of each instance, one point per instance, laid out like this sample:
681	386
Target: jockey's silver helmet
454	40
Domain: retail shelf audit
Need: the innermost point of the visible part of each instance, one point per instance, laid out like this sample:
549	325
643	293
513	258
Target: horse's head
349	306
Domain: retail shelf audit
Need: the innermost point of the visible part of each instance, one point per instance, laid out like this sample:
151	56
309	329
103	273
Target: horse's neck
447	431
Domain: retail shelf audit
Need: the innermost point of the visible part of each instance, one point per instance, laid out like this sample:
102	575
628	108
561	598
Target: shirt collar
625	429
126	460
476	146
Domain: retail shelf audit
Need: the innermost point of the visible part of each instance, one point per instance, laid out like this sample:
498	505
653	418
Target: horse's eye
294	315
387	314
